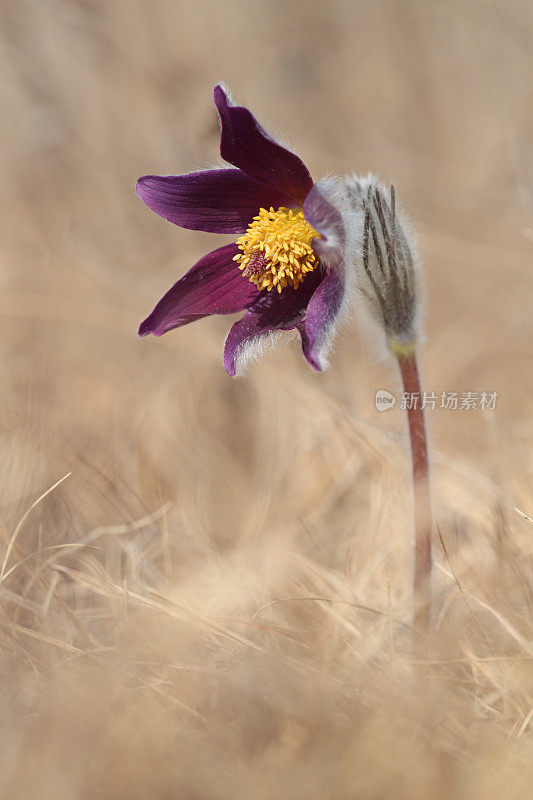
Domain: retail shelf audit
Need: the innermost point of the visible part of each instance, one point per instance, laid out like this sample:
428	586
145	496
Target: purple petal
216	201
215	285
272	312
246	145
323	214
318	328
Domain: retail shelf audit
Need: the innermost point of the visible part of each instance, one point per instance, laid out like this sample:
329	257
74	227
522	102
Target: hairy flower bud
386	263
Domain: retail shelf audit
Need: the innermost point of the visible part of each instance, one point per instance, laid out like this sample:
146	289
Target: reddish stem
422	500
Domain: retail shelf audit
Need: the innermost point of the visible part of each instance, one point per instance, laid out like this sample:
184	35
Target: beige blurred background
153	641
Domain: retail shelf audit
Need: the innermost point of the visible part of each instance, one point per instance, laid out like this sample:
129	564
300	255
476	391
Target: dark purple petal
321	212
319	325
246	145
215	285
272	312
216	201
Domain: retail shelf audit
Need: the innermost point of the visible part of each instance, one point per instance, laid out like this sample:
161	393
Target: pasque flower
286	268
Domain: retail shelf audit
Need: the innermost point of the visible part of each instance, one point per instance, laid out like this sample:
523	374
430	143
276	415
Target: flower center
276	249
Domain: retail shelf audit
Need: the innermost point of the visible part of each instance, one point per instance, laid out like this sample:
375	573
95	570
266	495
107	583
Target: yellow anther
276	249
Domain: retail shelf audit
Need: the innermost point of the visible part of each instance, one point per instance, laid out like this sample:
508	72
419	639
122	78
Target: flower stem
421	491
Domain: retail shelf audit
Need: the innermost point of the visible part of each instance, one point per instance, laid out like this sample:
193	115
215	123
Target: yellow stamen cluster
276	249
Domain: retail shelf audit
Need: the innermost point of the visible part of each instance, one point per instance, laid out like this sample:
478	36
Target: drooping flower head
286	269
386	263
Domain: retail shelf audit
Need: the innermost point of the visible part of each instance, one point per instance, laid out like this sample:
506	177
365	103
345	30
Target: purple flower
286	268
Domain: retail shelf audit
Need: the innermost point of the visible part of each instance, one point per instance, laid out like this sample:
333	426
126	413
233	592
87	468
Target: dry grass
215	602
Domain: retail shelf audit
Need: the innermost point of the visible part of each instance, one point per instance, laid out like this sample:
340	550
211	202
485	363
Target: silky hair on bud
386	262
